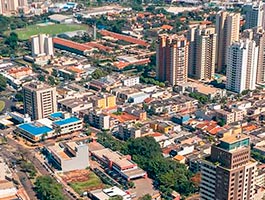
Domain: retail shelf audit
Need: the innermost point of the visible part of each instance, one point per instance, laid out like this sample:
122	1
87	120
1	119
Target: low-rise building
122	164
206	90
68	156
131	81
67	125
105	194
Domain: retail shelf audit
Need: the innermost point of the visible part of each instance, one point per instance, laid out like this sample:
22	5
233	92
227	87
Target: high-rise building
39	100
41	45
227	29
172	59
202	51
10	6
254	14
229	172
258	35
242	63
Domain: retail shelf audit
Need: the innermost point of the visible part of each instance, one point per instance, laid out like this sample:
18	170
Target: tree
146	197
41	78
19	97
2	83
12	40
47	188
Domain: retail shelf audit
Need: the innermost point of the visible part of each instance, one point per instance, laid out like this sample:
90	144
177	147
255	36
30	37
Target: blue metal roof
34	130
57	115
66	121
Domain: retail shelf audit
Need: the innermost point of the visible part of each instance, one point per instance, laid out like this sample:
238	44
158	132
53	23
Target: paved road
29	154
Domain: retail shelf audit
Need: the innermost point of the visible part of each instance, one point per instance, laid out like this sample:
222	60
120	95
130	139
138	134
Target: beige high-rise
227	29
39	100
10	6
172	59
202	52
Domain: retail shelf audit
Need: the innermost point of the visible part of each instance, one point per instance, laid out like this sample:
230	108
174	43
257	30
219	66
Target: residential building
172	59
68	156
258	35
231	116
254	14
227	29
41	45
229	172
8	7
99	120
104	101
202	52
242	63
131	81
39	100
129	130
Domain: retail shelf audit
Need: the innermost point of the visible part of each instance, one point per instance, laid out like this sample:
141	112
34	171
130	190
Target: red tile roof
99	46
124	38
71	44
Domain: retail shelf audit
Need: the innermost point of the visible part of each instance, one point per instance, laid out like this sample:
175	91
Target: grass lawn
52	29
92	183
2	105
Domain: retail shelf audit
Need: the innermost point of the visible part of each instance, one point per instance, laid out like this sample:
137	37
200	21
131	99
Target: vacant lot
52	29
2	105
82	180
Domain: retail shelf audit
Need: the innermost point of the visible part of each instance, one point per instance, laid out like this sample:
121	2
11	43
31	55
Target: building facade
39	100
202	52
229	172
41	45
227	29
8	7
242	63
172	59
254	15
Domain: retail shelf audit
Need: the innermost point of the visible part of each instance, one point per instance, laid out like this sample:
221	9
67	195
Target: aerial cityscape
132	100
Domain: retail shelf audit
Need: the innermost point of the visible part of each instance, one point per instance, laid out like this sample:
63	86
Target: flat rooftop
35	128
66	121
56	115
233	138
119	159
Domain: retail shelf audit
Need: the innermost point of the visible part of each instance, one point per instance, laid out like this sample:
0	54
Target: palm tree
57	131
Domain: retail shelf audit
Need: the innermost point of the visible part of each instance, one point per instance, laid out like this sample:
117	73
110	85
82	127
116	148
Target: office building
172	59
68	156
242	66
254	14
41	45
39	100
202	52
227	29
229	172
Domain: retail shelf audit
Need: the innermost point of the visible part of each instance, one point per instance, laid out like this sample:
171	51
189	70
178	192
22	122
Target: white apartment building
242	62
41	45
131	81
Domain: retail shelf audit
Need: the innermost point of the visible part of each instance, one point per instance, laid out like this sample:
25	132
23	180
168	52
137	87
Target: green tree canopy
47	189
2	83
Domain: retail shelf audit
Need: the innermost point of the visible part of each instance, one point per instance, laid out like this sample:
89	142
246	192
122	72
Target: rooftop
57	115
233	138
66	121
35	128
71	44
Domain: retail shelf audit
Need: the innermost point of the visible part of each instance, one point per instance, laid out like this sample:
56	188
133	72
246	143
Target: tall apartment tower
202	52
227	30
229	172
242	63
172	59
39	100
41	45
254	15
9	6
258	35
